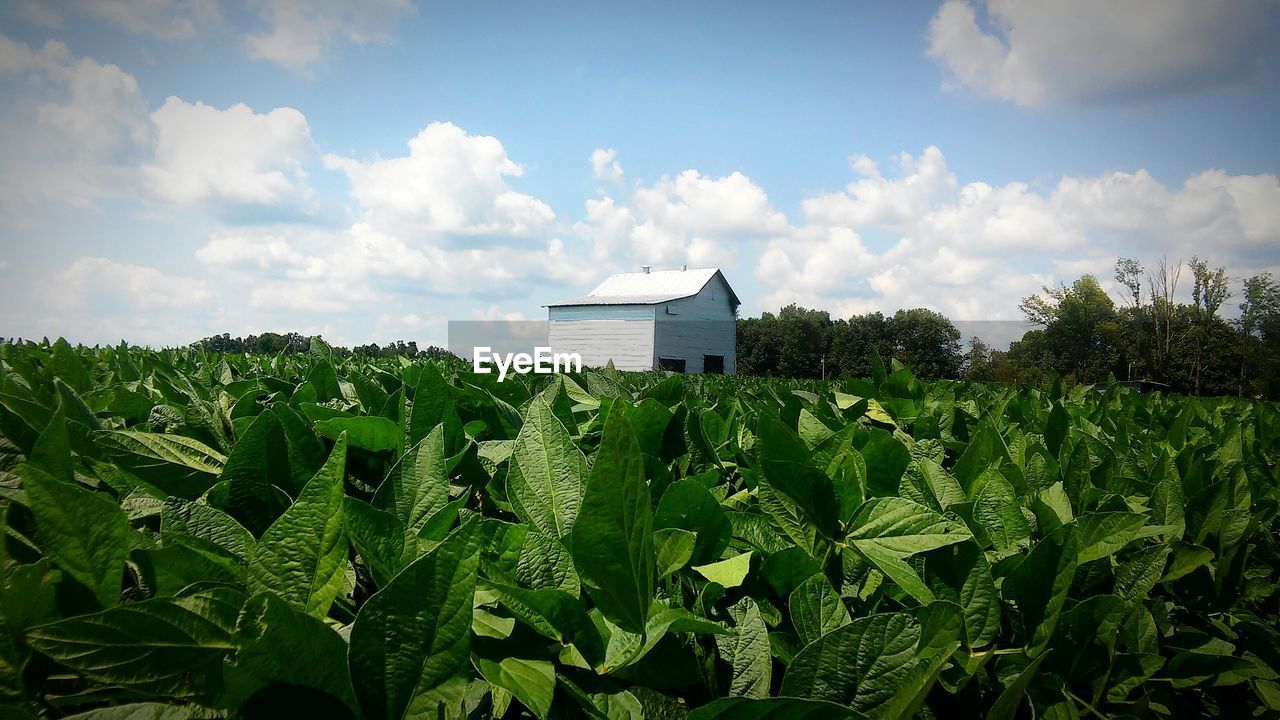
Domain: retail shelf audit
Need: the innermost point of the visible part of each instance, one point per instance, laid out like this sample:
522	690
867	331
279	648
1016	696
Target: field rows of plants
192	535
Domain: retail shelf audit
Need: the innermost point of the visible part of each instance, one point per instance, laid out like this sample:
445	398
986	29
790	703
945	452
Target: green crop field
191	535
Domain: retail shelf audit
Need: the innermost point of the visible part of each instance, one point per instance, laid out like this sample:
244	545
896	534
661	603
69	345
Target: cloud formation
234	155
85	133
162	19
72	128
686	219
300	31
973	250
450	182
1069	51
605	165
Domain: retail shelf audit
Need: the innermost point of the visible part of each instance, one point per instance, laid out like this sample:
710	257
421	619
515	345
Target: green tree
853	340
927	342
1209	292
1259	323
1080	329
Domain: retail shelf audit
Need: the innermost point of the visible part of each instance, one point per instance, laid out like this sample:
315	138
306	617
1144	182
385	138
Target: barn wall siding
629	343
695	326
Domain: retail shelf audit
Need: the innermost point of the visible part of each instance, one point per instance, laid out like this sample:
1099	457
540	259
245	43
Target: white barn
683	320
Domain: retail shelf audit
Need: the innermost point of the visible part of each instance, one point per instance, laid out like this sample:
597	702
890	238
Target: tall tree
1080	327
1162	286
927	342
1259	322
1209	292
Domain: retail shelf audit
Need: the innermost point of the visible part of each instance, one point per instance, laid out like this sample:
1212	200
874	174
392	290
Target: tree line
270	343
1080	333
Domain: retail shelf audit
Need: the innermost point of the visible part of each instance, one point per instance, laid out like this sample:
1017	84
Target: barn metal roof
651	288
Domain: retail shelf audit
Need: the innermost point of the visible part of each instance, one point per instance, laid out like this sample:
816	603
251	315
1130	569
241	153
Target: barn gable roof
650	288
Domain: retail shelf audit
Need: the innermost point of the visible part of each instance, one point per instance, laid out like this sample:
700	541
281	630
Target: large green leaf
433	405
276	644
887	530
206	528
544	562
728	573
887	458
672	549
747	651
378	536
259	459
688	505
306	452
83	532
927	483
545	473
785	460
556	615
147	711
1039	584
861	664
533	682
52	451
1105	533
418	485
372	433
414	634
302	556
997	510
816	609
1140	572
612	541
166	646
177	464
67	367
961	574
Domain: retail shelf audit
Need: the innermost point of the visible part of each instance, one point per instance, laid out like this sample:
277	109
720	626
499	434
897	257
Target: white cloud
77	131
362	268
449	183
972	251
96	281
15	57
260	249
699	205
299	31
39	13
1062	51
164	19
427	328
873	199
72	128
233	155
379	264
605	165
100	110
494	313
689	218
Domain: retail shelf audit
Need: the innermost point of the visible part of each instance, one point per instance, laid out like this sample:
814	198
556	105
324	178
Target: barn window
713	364
672	364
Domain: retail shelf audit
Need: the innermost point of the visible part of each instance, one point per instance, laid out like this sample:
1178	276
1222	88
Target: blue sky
372	170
